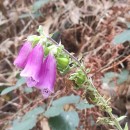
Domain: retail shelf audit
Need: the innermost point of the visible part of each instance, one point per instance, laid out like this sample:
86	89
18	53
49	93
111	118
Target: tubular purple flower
21	59
33	65
47	76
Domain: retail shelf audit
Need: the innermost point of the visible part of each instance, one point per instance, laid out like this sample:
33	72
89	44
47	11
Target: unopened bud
79	77
34	39
62	63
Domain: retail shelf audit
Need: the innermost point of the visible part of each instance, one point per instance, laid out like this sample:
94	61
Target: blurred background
97	30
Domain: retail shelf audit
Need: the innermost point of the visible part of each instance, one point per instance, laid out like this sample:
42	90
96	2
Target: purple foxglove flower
21	59
33	65
47	76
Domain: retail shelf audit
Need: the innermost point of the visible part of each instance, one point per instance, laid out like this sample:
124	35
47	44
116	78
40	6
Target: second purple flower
47	76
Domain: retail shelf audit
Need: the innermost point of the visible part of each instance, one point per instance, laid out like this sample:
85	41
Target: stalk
100	100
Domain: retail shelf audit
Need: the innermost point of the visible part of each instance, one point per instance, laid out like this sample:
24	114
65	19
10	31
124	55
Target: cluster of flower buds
79	78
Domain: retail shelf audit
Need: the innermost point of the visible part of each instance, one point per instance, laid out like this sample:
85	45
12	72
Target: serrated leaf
83	105
122	37
18	84
53	111
65	121
66	100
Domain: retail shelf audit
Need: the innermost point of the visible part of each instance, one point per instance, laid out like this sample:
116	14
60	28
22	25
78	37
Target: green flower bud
34	39
51	48
62	63
46	51
79	77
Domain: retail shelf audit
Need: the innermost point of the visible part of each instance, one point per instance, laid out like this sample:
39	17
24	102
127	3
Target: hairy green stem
115	121
101	99
49	38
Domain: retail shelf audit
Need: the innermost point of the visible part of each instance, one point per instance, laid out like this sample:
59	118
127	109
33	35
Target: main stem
103	100
115	121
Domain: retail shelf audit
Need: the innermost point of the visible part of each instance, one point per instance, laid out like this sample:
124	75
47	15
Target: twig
27	25
116	64
9	103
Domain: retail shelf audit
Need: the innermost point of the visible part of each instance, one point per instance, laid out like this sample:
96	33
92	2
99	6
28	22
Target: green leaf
56	36
53	111
92	121
83	105
28	90
66	100
38	4
126	127
22	16
18	84
109	76
24	125
123	76
123	37
65	121
28	121
27	15
33	113
36	14
128	24
121	118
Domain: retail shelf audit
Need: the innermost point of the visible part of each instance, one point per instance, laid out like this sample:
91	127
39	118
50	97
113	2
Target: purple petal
33	64
21	59
47	74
